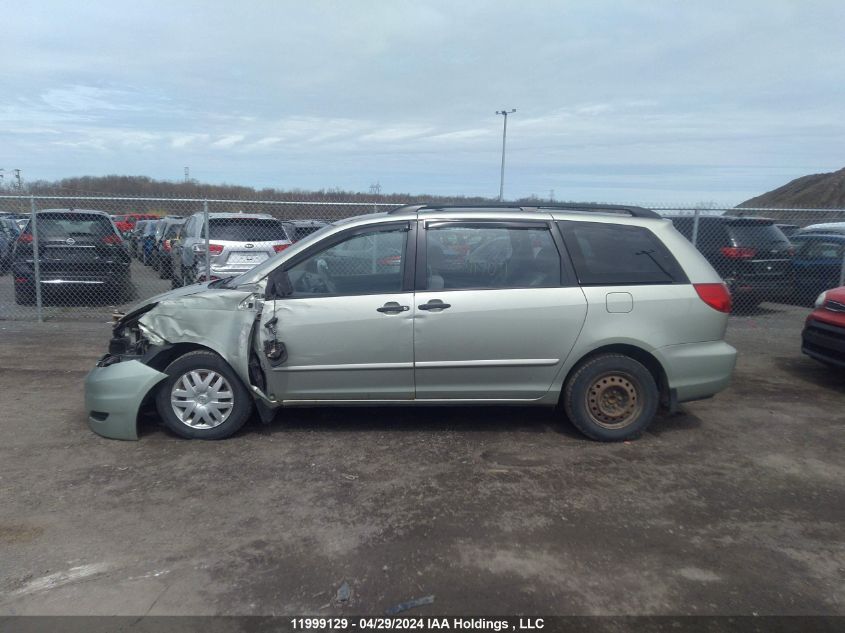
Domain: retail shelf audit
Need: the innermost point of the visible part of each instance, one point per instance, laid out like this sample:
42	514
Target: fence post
695	227
36	258
207	236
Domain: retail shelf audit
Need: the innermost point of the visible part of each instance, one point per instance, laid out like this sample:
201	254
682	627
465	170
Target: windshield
247	230
262	270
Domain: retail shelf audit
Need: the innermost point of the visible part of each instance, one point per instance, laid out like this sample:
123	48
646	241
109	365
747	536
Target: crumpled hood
171	294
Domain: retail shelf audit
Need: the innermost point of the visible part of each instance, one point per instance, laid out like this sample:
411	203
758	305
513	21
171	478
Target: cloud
228	141
638	99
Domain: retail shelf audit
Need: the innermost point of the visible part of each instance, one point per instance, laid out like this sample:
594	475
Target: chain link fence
84	257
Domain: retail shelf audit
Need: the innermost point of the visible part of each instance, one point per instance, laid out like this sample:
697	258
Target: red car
823	337
126	223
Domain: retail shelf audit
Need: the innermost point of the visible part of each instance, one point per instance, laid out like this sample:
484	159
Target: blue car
817	264
148	240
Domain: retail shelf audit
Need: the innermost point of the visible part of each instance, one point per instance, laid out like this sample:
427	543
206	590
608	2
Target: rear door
497	310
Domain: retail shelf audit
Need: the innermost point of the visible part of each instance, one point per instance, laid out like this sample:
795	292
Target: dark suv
752	255
76	249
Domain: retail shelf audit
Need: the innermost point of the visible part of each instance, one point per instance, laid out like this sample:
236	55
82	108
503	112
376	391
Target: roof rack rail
591	207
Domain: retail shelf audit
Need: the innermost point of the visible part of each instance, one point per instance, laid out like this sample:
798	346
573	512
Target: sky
642	102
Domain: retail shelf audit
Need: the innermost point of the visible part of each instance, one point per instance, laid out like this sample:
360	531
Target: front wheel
202	398
611	397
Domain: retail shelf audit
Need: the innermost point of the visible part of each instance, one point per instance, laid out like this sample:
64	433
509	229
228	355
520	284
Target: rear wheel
611	397
202	398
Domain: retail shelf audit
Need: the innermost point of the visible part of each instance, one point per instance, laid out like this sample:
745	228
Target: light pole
505	114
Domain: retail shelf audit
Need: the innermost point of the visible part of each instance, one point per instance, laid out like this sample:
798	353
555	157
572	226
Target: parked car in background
146	241
824	227
237	242
606	311
752	255
817	264
133	238
158	257
165	261
78	250
19	219
126	222
823	337
298	229
9	232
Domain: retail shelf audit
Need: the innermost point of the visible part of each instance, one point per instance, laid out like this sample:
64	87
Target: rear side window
618	254
466	256
820	249
247	230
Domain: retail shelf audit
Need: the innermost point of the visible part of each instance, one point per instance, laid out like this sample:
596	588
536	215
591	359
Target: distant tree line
145	187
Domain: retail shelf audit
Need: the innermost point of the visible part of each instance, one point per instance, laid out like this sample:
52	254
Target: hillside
820	191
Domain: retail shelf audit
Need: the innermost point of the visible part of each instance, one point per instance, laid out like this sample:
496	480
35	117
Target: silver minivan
605	312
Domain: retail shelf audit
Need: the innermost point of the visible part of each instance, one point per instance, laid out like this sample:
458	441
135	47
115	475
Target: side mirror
278	285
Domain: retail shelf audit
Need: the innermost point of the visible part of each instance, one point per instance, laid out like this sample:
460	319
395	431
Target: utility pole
18	184
551	195
505	114
187	174
375	190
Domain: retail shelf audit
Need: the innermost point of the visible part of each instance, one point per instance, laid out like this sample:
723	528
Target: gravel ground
734	506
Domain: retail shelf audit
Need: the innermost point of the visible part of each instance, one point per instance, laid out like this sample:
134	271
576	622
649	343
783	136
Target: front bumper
698	370
113	396
824	342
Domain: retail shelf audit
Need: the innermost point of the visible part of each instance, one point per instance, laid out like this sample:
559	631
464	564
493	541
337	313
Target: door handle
391	307
435	304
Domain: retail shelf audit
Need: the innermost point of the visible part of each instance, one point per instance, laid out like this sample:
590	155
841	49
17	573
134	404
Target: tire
611	398
193	369
24	295
175	282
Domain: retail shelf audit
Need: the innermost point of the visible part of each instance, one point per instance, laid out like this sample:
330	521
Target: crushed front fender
113	396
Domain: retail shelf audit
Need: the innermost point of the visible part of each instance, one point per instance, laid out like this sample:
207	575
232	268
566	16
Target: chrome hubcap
202	399
613	400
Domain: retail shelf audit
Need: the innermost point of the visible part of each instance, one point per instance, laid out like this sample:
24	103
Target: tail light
717	296
215	249
392	260
112	239
738	252
25	238
280	247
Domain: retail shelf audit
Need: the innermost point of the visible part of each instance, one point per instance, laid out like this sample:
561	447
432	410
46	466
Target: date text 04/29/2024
417	624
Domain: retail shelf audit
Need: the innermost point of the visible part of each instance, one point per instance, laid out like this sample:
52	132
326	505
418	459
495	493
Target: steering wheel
315	284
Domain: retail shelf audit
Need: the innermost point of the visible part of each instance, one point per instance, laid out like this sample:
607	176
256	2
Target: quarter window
463	257
618	254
